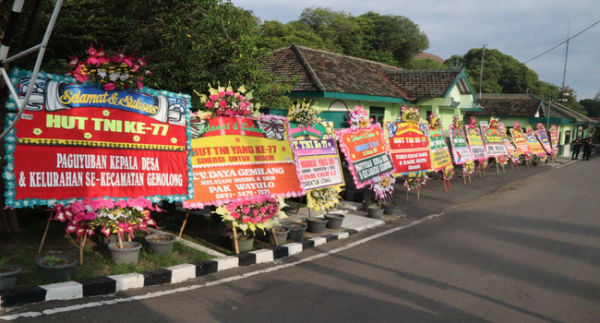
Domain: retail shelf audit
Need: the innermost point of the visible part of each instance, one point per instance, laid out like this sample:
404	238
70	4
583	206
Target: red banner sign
76	141
409	147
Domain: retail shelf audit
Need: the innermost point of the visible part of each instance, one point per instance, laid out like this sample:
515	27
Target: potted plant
256	212
160	243
55	268
245	242
8	274
280	232
296	231
383	187
122	217
323	198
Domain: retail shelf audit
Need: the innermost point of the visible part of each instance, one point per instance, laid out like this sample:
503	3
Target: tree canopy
389	39
187	44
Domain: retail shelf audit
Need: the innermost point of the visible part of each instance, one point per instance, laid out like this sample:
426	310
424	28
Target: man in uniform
576	148
587	148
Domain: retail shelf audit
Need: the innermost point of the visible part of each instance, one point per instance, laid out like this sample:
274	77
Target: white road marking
567	164
217	282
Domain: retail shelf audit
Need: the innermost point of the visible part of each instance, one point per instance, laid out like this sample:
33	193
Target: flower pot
128	255
296	231
389	207
281	233
53	273
159	243
225	234
366	205
316	225
375	212
335	220
245	242
104	240
8	276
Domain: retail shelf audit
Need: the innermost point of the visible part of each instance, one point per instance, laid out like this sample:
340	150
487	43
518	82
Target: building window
567	137
338	105
377	113
428	115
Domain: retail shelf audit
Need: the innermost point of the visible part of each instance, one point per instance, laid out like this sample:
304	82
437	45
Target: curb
104	286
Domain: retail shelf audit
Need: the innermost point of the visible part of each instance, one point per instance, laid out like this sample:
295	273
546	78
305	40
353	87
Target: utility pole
566	57
548	116
481	70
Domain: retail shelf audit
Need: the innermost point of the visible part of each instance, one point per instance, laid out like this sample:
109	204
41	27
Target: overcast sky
520	28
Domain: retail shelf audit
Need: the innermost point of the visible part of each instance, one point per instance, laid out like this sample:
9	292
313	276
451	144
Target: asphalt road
525	250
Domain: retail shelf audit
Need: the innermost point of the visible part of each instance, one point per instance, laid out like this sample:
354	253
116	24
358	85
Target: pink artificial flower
81	78
221	94
60	216
109	86
92	51
263	209
71	228
256	220
209	104
128	62
90	232
139	85
245	210
245	219
135	67
77	207
255	212
106	231
230	207
229	93
121	204
73	61
103	60
214	97
223	104
235	215
142	61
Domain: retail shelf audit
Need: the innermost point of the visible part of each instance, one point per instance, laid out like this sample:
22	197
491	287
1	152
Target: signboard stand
46	231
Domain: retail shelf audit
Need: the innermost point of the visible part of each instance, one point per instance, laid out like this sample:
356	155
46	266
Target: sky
520	28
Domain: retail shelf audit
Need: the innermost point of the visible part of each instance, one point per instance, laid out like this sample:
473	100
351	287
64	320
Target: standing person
576	148
587	148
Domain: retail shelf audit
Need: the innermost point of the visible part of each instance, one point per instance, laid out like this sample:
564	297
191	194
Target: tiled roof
508	105
427	83
524	105
424	55
323	71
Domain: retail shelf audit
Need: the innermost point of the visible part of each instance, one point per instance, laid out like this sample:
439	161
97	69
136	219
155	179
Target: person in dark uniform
576	148
587	148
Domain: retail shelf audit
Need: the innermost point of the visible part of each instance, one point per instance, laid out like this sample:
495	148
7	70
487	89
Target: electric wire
553	48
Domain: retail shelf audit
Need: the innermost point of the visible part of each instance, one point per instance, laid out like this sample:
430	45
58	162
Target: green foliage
395	34
591	106
187	44
388	39
427	63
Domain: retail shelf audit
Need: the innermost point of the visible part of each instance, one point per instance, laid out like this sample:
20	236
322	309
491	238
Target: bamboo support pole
235	241
184	223
497	169
465	179
46	231
418	193
300	203
274	237
449	185
128	237
445	190
407	194
469	178
81	246
120	240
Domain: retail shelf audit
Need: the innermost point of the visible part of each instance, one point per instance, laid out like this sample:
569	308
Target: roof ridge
439	70
311	73
346	56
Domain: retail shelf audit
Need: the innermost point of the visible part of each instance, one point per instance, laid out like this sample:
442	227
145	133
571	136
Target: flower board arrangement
359	118
119	71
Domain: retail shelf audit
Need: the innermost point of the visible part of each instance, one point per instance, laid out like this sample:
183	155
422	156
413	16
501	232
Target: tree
591	106
337	29
187	44
275	34
391	34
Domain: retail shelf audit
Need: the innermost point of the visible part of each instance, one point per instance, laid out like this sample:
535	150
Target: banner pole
46	232
184	223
